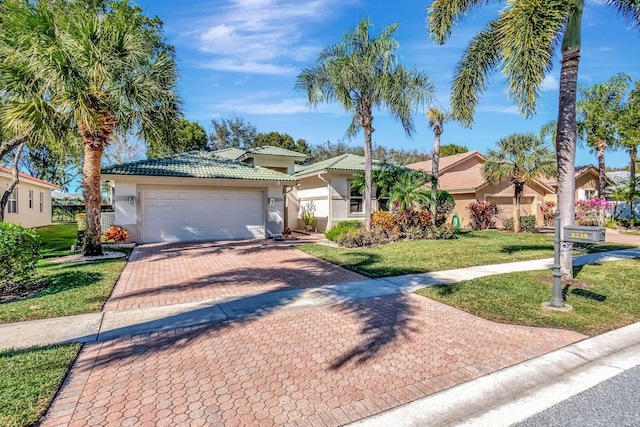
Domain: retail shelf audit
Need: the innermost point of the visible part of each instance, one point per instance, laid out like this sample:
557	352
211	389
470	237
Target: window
589	194
42	201
356	200
30	199
383	202
12	204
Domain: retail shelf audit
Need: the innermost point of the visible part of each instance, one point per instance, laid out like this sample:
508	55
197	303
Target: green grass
58	238
29	381
610	300
633	233
73	289
471	248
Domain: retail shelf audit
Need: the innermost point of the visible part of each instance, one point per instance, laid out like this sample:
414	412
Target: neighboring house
30	202
328	185
461	175
621	179
197	196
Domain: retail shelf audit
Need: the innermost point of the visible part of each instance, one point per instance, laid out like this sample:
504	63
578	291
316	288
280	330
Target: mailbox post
575	234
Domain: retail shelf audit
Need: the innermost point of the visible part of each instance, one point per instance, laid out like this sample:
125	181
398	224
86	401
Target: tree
437	119
520	159
598	108
124	147
386	176
232	133
189	136
409	192
51	165
452	150
362	73
629	132
91	66
282	140
522	42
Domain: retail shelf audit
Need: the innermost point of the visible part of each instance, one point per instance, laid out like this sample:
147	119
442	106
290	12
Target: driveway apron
326	365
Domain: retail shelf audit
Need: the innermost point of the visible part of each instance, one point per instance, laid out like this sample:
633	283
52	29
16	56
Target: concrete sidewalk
114	324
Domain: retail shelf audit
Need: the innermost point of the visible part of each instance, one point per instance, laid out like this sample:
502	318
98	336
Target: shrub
342	227
445	203
413	218
592	211
19	253
548	209
385	221
627	222
482	214
527	223
116	233
360	238
444	232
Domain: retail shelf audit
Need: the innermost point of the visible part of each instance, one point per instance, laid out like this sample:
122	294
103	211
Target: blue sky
241	58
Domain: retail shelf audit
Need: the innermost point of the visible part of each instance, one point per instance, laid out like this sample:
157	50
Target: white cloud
550	83
259	36
499	109
264	103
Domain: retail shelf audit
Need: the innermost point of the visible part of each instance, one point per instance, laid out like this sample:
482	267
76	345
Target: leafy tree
362	73
452	150
189	136
598	108
124	147
520	159
93	67
282	140
522	41
390	156
232	133
385	177
45	163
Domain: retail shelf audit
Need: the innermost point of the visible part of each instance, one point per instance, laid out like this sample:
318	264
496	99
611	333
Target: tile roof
345	162
229	153
29	177
198	164
445	162
276	151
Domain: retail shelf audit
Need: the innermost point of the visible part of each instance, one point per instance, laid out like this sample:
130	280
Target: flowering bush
593	211
482	214
385	221
548	209
116	233
287	231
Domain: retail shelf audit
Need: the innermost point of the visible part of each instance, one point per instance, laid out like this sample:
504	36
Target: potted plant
308	216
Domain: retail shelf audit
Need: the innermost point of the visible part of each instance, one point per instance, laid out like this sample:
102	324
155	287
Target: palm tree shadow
385	320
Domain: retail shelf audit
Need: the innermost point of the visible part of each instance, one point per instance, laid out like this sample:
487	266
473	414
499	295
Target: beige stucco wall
502	195
273	162
589	182
130	215
29	216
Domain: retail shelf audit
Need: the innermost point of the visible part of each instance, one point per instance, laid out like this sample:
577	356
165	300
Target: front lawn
471	248
604	297
58	238
71	289
29	381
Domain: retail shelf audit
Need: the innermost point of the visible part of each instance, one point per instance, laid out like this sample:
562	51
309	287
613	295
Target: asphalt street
614	402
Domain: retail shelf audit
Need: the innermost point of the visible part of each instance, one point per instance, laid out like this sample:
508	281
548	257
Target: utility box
584	234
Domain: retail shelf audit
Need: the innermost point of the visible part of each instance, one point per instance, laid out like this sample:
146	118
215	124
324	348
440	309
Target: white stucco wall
28	215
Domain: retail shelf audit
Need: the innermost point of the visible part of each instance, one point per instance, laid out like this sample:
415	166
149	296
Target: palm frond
629	9
442	15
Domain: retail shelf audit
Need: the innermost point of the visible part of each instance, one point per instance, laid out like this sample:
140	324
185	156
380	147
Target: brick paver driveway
325	365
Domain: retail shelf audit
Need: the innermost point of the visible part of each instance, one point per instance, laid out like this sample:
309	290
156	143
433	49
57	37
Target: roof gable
198	164
31	179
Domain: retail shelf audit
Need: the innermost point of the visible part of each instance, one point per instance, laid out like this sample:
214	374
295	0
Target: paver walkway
324	365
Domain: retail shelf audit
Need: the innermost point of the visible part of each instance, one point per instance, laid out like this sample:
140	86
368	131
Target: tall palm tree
94	67
629	132
360	74
521	159
437	119
598	108
522	41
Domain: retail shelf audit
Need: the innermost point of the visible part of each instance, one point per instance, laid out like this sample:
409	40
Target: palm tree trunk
602	176
435	171
14	181
367	176
566	153
517	195
92	198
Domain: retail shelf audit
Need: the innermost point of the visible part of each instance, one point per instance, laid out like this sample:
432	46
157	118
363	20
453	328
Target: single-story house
461	175
30	201
197	196
231	194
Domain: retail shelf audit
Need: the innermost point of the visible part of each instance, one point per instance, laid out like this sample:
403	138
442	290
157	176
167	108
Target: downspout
286	189
329	218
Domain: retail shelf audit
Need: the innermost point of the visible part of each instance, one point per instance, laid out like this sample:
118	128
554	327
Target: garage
505	208
201	215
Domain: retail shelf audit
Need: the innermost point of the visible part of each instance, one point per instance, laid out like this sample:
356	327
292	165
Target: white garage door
189	216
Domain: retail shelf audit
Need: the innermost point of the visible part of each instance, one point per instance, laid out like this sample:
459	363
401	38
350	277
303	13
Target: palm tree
94	67
598	108
522	41
629	132
520	159
362	73
437	119
409	192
